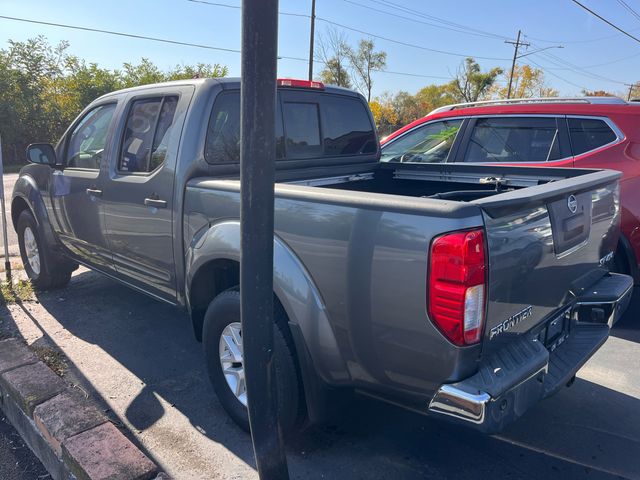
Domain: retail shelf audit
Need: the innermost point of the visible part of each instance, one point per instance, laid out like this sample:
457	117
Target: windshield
429	143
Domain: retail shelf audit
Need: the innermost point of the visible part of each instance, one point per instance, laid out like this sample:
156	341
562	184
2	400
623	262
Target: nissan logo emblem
572	203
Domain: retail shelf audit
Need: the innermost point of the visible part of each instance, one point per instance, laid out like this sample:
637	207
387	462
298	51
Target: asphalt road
17	462
139	358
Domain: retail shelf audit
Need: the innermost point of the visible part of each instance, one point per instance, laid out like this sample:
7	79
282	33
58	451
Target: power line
558	76
415	20
629	9
122	34
467	28
579	70
606	21
187	44
380	37
237	7
406	44
624	59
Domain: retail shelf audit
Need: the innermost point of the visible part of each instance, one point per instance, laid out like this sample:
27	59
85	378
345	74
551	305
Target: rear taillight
290	82
457	285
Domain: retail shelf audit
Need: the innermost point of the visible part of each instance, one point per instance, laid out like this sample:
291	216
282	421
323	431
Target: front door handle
94	192
155	203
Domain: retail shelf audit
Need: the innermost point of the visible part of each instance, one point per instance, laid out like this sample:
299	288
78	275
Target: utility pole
517	45
631	87
7	262
257	176
312	37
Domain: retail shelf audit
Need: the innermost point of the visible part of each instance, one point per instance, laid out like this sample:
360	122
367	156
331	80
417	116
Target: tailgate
547	244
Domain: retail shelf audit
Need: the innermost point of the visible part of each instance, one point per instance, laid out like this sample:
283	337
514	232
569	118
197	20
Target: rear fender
294	288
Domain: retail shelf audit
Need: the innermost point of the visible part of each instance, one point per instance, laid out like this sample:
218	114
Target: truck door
76	189
139	191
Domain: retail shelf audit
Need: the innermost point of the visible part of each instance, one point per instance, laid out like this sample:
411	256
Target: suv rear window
588	134
513	139
328	125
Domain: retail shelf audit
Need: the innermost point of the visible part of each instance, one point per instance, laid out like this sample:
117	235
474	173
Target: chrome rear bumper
510	381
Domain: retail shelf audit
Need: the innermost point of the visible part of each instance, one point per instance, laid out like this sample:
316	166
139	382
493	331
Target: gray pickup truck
469	292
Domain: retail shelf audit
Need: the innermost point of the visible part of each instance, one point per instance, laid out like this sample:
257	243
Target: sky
422	45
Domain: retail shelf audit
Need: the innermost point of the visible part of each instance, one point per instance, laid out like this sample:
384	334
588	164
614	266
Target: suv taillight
457	285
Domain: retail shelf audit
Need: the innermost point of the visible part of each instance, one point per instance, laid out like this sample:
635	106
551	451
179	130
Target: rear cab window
309	125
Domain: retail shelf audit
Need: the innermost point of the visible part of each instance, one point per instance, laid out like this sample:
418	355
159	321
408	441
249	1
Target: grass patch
18	291
52	358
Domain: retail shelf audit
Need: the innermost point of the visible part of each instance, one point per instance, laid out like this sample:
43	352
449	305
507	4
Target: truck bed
363	235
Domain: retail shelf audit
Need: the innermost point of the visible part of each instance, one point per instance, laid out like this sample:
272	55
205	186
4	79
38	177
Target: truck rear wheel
43	272
222	340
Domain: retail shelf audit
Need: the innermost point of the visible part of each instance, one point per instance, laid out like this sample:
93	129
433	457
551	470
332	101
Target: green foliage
470	83
364	61
333	52
335	73
391	112
43	88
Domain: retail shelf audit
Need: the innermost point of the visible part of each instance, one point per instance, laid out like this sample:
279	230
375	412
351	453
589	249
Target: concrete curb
66	431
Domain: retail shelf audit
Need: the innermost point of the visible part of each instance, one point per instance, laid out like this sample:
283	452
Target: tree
333	51
528	82
25	70
597	93
364	61
200	70
43	88
391	112
470	84
384	116
434	96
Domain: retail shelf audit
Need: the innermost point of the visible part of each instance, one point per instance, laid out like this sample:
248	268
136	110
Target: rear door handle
94	192
155	202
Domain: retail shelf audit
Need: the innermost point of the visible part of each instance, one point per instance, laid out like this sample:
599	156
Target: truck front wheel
40	269
222	340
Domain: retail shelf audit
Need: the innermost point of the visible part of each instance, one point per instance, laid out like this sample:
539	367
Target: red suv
589	132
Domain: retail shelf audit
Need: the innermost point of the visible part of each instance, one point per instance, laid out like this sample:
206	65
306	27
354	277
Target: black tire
224	310
50	274
620	263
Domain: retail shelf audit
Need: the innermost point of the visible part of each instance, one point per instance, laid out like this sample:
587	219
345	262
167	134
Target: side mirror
42	153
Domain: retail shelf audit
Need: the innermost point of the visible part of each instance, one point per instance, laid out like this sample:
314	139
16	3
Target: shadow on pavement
628	327
587	431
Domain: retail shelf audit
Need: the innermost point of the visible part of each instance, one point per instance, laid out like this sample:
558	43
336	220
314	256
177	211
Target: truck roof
226	82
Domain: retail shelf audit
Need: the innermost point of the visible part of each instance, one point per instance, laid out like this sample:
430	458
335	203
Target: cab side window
87	141
147	133
514	139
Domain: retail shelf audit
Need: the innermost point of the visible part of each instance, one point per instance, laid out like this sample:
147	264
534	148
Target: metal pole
312	37
513	64
630	91
7	262
257	175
